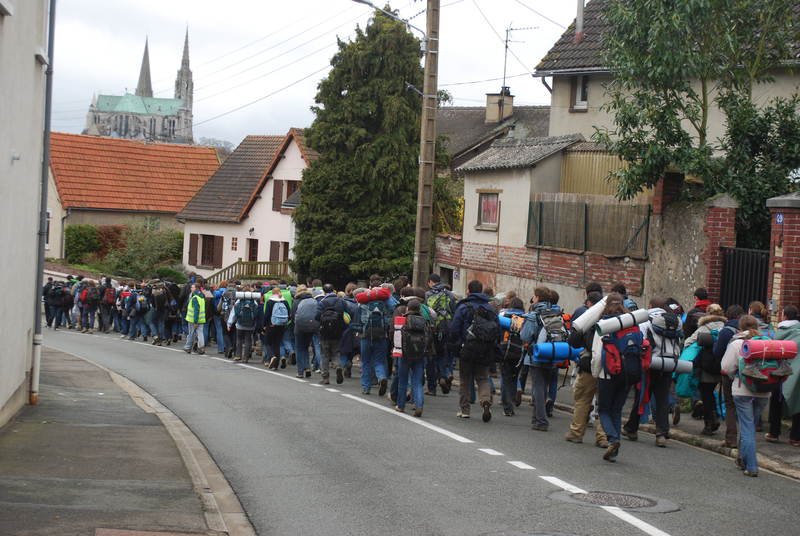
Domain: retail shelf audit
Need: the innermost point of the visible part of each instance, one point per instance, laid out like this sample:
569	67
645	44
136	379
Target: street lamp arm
393	16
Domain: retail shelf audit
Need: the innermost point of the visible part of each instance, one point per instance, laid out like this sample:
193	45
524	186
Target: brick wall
448	249
784	270
667	189
720	231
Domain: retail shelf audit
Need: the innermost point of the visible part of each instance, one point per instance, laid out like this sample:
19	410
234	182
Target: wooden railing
251	271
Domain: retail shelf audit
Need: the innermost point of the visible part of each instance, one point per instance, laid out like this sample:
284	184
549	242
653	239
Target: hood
711	318
276	297
542	307
478	297
302	296
655	311
437	288
733	324
789	324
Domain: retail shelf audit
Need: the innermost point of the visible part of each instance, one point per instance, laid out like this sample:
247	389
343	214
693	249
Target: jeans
87	317
317	350
747	407
660	383
508	385
287	343
61	317
195	330
583	392
156	324
542	379
470	372
137	324
244	344
522	378
52	314
410	371
373	356
330	349
552	390
220	327
105	316
611	396
302	342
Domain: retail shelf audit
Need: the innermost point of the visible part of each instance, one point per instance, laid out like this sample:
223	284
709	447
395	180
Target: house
107	181
23	42
244	211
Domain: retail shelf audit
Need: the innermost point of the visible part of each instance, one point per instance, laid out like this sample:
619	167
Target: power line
485	18
481	81
545	17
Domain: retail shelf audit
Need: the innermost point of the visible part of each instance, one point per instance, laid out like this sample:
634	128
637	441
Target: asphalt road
313	460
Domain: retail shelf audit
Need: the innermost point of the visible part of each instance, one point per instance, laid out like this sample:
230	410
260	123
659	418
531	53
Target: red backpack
109	296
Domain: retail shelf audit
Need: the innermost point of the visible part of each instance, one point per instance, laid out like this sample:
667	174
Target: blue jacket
462	318
725	336
330	300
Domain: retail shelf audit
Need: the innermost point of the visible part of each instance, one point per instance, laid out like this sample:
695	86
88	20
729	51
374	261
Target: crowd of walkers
408	341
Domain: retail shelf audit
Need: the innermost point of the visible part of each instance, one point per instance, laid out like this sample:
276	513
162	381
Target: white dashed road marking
566	486
491	452
522	465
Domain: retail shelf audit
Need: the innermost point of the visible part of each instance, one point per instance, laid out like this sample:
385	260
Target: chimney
499	106
579	23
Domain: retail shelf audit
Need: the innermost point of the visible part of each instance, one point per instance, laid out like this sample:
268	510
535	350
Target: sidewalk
779	457
90	460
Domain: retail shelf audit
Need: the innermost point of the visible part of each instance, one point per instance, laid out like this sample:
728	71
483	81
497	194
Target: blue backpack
374	320
280	314
623	353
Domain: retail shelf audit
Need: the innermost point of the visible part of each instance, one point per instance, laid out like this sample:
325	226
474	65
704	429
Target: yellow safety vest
196	303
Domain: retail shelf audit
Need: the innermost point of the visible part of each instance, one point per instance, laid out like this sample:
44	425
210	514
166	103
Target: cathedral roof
135	104
100	173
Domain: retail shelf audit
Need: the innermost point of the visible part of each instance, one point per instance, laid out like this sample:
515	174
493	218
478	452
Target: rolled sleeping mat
668	364
374	294
705	340
625	320
248	295
505	321
590	317
555	351
767	349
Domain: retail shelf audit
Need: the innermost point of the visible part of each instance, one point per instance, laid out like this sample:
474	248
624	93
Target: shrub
171	274
111	237
79	241
146	249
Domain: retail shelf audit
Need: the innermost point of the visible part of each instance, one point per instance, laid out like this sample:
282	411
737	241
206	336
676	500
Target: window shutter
274	251
285	252
277	195
219	243
193	249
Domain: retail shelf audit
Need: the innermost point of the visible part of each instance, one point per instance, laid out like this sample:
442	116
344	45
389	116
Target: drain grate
610	498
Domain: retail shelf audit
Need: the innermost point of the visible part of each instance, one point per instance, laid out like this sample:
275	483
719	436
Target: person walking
330	314
276	318
195	319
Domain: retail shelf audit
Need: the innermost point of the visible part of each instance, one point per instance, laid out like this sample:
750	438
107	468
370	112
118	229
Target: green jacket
791	387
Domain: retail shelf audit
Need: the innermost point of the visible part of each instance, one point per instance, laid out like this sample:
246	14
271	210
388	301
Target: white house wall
55	241
514	187
22	36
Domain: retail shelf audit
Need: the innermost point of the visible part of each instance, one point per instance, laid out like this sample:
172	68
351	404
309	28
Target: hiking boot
430	393
630	436
144	338
661	441
398	409
611	452
348	371
418	412
518	398
339	375
602	443
237	358
365	391
784	369
676	414
155	340
201	351
283	362
293	358
750	473
384	384
307	373
187	350
539	427
273	363
463	414
573	438
751	370
508	412
697	410
444	385
487	412
325	381
771	438
708	431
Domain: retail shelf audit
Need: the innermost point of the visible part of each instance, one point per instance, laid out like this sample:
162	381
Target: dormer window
580	93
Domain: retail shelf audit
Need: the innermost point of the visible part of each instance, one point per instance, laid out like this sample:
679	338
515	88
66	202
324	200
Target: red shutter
277	195
193	250
274	251
219	244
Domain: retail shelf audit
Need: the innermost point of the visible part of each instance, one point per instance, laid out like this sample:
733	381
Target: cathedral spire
185	60
144	88
184	86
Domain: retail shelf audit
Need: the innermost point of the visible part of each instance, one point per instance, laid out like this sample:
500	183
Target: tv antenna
507	41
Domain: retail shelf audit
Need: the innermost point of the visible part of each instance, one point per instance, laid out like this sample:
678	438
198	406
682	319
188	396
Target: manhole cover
621	500
617	499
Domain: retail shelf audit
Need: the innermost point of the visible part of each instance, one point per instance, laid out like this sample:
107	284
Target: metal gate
744	276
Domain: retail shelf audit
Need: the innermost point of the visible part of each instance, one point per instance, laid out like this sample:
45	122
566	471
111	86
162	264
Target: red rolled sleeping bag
374	294
767	349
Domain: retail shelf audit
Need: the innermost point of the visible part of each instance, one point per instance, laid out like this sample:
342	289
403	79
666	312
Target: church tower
145	88
184	87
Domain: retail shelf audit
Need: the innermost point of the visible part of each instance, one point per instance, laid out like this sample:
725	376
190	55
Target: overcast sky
278	51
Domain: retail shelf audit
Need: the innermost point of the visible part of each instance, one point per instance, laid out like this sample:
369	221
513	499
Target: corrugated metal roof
109	173
509	153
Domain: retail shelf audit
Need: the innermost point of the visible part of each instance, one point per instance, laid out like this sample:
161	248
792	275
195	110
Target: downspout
63	233
546	85
37	316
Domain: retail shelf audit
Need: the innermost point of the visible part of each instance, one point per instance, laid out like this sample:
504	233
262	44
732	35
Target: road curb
221	507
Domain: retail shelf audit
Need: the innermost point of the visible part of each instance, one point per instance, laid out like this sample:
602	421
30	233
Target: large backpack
305	317
331	323
109	296
280	314
93	296
415	337
666	335
762	367
511	345
226	302
482	336
705	360
553	330
624	353
246	313
374	320
442	304
142	303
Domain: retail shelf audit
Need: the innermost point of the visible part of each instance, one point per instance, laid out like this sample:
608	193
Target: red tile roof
114	174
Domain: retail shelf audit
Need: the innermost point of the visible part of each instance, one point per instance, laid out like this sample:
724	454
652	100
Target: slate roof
568	56
510	153
115	174
229	192
465	127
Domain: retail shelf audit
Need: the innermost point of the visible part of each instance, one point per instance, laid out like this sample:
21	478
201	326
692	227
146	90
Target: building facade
141	116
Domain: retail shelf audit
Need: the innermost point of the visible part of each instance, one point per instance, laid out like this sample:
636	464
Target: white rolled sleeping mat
589	318
625	320
668	364
248	295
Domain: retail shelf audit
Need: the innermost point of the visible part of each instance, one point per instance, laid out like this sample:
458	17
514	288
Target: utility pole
423	240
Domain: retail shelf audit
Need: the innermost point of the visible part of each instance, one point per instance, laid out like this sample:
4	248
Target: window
488	210
234	244
207	251
580	93
47	230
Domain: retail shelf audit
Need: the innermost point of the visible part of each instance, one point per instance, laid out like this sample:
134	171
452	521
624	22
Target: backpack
84	295
305	320
109	296
629	304
226	302
92	296
763	367
280	314
374	323
442	304
666	334
415	336
624	353
511	346
246	314
331	323
553	330
142	305
482	335
705	359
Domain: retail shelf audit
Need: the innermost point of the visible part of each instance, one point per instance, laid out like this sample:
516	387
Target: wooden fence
589	223
252	271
